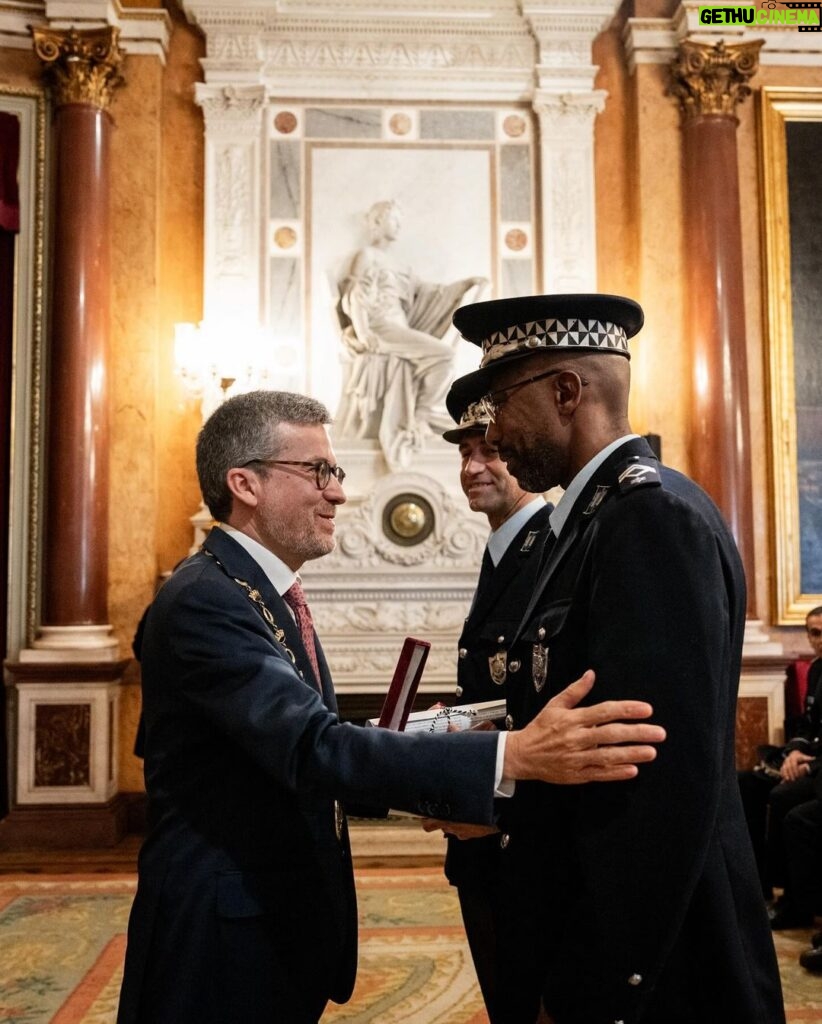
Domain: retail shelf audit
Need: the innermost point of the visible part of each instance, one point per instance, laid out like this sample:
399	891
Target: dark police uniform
638	902
472	865
635	902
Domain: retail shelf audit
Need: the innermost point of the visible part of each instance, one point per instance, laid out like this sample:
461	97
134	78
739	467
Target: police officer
519	525
637	904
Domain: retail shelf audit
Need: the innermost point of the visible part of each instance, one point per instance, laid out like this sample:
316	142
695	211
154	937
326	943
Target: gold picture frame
796	481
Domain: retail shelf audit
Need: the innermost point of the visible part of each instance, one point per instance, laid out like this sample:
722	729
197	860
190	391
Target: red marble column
710	80
83	69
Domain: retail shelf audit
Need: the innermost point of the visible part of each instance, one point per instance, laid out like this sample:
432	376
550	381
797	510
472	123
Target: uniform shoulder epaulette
637	471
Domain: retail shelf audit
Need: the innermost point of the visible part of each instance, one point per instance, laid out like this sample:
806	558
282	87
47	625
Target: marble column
67	683
82	67
710	80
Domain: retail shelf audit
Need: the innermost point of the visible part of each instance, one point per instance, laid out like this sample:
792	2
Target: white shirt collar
563	507
280	575
501	537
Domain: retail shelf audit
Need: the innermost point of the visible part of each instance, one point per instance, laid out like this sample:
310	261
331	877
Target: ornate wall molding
566	104
234	145
339	75
396	51
568	208
655	40
144	30
83	66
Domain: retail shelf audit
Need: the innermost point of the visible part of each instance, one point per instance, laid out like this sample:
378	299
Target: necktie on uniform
486	571
294	597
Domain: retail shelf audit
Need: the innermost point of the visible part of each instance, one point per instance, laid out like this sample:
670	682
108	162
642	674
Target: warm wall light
218	358
214	360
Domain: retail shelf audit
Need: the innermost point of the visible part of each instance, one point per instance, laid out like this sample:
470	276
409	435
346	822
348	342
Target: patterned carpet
62	940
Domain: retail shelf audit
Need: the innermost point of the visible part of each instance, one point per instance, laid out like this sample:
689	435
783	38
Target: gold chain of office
254	595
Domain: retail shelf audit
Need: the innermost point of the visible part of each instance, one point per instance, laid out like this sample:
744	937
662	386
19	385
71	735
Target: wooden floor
120	858
391	843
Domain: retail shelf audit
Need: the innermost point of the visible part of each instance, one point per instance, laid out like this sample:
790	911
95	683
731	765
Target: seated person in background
768	798
513	555
802	895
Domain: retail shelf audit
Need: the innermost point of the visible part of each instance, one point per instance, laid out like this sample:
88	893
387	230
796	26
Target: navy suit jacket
245	908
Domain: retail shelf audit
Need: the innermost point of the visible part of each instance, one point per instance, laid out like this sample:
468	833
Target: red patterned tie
294	597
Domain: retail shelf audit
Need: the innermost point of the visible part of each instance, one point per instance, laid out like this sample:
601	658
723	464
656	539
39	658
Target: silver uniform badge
539	666
597	499
498	667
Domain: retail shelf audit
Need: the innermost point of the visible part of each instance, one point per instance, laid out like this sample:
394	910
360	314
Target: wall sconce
214	360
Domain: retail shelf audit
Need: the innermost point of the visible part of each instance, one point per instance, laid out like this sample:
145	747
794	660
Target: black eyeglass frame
491	404
323	470
813	631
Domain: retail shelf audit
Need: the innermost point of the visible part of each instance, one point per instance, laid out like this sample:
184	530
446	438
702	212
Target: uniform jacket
639	900
496	610
807	735
245	908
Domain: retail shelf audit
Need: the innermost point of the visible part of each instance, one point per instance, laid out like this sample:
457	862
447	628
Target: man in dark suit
245	907
519	525
640	903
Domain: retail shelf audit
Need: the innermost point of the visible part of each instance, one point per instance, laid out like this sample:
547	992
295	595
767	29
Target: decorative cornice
655	40
713	78
144	30
82	65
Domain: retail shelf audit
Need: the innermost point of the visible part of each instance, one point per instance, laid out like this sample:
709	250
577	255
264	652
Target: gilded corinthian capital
713	78
82	64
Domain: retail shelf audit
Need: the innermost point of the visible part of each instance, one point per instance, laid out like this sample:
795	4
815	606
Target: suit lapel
599	489
238	564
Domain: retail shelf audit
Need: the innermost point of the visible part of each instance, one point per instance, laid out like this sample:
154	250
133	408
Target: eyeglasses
492	402
814	631
322	469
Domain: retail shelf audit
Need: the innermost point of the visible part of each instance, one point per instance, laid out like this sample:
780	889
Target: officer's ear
568	386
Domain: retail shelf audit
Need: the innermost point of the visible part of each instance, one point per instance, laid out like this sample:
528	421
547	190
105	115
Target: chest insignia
528	543
597	499
498	667
539	666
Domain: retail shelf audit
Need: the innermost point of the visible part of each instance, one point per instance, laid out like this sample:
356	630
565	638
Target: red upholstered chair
796	686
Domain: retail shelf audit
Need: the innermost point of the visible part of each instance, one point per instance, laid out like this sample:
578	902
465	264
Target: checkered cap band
570	333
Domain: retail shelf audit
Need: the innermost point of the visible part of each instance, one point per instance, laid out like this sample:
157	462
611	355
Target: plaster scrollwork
230	47
570	112
378	617
395	54
231	106
455	543
233	192
360	664
566	123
